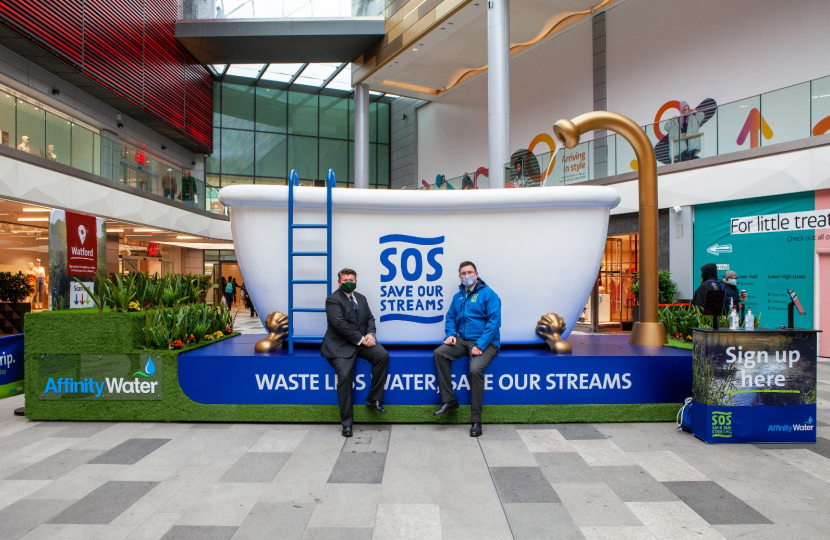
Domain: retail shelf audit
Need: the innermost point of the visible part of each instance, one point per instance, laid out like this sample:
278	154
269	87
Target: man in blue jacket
472	329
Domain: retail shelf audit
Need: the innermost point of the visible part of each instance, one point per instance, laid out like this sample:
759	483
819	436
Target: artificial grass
123	333
679	343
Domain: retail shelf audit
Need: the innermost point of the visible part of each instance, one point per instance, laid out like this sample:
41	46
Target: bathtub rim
380	200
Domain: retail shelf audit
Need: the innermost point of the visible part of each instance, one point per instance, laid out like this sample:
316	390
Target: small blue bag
684	416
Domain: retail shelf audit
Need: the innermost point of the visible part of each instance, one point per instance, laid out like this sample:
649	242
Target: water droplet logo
810	420
149	369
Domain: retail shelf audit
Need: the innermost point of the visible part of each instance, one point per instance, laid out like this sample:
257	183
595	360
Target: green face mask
348	287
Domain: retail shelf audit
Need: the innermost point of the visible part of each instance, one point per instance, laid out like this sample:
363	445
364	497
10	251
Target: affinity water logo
149	368
107	379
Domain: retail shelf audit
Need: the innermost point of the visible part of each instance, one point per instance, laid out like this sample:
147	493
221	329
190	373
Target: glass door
610	287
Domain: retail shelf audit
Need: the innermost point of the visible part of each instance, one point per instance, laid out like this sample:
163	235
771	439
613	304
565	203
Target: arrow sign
76	299
717	249
754	123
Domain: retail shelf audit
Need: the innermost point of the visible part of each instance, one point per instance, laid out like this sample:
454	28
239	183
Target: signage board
722	236
100	377
754	386
77	248
11	365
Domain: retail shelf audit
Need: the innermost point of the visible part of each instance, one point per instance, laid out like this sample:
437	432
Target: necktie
356	309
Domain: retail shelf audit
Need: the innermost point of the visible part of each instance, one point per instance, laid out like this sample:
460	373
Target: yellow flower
135	306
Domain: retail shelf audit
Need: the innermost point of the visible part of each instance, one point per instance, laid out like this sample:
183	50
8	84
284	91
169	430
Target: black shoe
445	408
375	406
347	431
475	429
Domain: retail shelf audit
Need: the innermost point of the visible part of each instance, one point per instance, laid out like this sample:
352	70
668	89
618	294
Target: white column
361	136
498	89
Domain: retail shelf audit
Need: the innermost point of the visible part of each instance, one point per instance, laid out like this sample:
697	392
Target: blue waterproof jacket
475	317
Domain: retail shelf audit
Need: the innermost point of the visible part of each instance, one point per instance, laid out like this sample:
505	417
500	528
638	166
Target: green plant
711	384
100	299
667	287
164	326
14	288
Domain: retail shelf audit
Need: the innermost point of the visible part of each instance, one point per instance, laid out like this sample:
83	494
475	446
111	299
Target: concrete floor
85	480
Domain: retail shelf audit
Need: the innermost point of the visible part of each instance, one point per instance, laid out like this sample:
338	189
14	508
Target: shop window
82	148
8	133
31	128
58	139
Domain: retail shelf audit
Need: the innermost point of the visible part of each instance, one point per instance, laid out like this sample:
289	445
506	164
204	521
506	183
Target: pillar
498	89
361	136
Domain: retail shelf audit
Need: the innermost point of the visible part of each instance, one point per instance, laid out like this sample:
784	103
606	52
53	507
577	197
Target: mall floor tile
104	504
129	452
207	481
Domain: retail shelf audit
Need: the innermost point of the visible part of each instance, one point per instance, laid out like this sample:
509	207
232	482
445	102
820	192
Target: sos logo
402	299
411	261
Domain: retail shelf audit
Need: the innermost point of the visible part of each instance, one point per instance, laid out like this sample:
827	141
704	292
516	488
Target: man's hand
743	297
450	341
369	340
476	351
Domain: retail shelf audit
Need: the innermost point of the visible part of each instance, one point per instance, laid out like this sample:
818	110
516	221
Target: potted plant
14	288
667	289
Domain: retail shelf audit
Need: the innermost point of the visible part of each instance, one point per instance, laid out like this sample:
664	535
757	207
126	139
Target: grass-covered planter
90	332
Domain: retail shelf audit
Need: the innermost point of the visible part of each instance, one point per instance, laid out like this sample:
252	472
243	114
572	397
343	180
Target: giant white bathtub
539	249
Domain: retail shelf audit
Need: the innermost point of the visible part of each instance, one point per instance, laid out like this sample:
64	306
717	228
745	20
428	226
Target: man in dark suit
351	334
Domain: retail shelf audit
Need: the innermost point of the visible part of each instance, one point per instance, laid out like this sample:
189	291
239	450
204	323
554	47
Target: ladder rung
310	282
310	254
310	226
309	309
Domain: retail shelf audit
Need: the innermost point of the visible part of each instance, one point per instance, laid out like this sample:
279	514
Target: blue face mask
732	281
467	281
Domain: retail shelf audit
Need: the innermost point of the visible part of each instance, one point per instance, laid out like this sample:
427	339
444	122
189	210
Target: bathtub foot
277	325
550	328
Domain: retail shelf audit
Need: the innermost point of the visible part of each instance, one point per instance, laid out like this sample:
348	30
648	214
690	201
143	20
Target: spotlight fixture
56	92
163	147
120	125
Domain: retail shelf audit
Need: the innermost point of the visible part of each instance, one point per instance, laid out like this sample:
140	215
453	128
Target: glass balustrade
787	114
279	9
28	127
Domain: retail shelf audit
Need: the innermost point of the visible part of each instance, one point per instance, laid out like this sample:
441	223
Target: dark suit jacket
345	331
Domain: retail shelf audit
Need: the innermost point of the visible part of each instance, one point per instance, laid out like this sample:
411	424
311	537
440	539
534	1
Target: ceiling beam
332	76
261	73
299	72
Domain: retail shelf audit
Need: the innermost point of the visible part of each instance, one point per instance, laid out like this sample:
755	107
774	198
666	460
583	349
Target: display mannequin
50	153
31	280
24	143
40	284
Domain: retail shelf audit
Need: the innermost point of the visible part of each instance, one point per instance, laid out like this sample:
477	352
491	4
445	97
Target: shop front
611	304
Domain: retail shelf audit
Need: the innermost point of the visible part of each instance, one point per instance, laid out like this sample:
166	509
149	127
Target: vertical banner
77	248
768	262
754	386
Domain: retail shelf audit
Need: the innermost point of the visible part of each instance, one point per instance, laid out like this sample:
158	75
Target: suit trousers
445	354
379	358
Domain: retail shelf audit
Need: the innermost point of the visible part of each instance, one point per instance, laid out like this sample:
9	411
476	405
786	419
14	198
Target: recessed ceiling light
115	230
414	49
33	219
36	210
185	237
146	230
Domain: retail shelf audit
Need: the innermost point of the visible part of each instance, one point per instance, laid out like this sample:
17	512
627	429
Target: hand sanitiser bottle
734	320
749	320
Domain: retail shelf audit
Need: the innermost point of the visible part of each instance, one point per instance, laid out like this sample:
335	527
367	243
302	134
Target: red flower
228	330
178	344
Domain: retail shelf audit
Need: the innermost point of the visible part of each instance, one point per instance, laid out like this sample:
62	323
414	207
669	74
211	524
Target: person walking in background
684	133
467	182
246	298
228	291
235	288
472	329
351	334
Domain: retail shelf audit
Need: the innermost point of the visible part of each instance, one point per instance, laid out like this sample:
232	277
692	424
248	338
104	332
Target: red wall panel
128	47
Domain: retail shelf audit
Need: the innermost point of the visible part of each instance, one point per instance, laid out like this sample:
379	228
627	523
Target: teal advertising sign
769	251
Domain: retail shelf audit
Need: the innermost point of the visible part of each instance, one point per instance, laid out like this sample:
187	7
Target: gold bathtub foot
550	328
648	333
277	325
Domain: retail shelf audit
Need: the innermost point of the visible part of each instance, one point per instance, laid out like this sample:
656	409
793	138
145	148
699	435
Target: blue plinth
601	370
